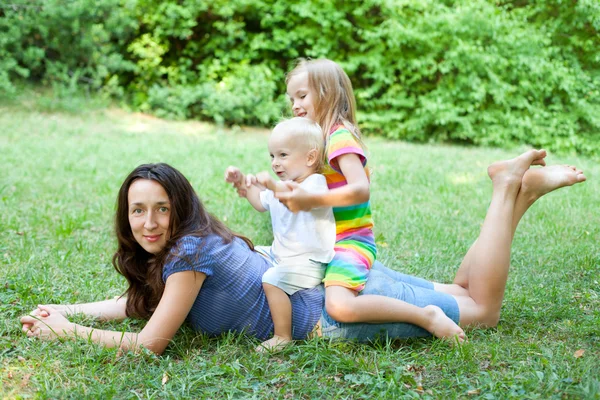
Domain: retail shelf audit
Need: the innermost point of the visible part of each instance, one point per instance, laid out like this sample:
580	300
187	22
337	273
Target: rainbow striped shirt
349	219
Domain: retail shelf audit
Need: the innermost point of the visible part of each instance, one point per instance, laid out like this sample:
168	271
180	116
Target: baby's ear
311	158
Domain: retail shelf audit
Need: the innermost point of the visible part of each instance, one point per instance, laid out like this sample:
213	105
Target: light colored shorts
291	277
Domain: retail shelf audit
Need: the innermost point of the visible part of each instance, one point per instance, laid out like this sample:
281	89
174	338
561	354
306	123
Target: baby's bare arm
246	186
265	179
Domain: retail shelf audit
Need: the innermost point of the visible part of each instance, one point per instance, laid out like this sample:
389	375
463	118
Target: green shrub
60	41
478	72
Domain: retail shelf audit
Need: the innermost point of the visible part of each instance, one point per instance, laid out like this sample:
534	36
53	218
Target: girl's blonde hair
334	97
310	134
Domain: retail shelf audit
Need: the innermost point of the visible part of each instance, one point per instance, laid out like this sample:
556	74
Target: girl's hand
46	323
297	199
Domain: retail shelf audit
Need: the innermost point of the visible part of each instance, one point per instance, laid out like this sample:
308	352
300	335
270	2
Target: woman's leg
536	183
399	276
481	279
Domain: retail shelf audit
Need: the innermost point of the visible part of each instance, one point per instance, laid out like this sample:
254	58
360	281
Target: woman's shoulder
192	253
191	244
189	241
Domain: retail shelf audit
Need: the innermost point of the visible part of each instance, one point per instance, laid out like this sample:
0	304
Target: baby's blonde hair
334	97
310	134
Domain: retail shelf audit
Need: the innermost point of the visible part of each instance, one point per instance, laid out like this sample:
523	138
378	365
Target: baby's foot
510	172
276	343
443	327
540	181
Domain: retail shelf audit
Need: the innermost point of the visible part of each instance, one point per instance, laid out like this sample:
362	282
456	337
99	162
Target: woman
182	263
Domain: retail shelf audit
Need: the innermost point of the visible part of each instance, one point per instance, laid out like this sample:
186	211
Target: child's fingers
250	180
232	174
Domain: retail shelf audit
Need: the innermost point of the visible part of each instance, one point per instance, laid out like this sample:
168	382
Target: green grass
60	174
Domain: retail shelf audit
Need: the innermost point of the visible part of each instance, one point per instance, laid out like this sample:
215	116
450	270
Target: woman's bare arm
106	310
181	290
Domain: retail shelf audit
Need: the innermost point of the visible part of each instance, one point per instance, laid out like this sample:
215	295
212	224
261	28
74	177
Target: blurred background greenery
482	72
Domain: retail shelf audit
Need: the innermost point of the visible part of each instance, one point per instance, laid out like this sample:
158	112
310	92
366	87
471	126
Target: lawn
63	161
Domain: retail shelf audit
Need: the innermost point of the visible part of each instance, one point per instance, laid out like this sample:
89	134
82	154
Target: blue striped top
232	297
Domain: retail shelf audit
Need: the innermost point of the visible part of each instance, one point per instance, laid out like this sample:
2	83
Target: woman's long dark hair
188	217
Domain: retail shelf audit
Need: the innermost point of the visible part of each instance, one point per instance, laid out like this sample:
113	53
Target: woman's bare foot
276	343
443	327
510	172
540	181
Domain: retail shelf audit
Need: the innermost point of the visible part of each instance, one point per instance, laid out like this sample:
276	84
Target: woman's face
149	214
301	96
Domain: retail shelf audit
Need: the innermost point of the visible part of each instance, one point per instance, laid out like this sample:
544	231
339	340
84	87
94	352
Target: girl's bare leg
343	305
481	279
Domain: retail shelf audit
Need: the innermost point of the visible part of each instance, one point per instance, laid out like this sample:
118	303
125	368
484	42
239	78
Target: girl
321	90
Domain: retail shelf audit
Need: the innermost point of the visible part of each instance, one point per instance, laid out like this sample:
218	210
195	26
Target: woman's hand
47	322
297	199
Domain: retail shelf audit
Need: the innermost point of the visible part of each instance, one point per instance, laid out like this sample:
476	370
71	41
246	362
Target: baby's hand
233	175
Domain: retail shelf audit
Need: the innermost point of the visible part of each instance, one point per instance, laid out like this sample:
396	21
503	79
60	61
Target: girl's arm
355	192
181	290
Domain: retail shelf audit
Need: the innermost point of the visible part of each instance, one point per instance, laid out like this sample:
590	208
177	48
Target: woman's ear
311	158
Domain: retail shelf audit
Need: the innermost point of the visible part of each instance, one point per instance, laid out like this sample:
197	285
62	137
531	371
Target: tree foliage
469	71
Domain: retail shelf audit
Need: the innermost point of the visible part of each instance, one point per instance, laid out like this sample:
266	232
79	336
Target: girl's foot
443	327
510	172
276	343
540	181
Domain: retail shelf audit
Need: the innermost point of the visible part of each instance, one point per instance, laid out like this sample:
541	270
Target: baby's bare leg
281	313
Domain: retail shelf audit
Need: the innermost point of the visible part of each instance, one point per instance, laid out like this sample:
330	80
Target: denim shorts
386	282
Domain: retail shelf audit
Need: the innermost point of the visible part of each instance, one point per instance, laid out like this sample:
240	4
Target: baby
302	242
